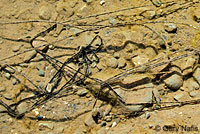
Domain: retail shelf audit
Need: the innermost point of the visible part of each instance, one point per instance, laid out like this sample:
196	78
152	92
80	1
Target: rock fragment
193	93
22	107
160	68
178	97
196	15
88	1
108	118
40	44
135	80
46	125
112	62
174	82
29	56
196	75
107	110
8	76
170	28
187	66
149	14
45	12
41	73
89	121
121	63
82	92
135	98
190	85
103	123
14	81
97	113
16	48
147	115
102	2
157	3
139	60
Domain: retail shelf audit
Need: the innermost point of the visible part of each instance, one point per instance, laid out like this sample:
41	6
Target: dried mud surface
128	41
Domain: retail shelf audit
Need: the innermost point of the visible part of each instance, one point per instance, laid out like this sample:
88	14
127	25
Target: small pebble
8	76
40	117
46	125
150	14
196	15
107	110
150	126
44	12
51	47
114	124
170	28
75	31
112	62
88	39
157	3
14	81
147	115
139	60
122	63
89	121
116	55
103	123
30	56
112	21
96	112
193	93
41	73
16	48
2	89
22	107
88	1
196	75
72	4
178	97
8	96
108	118
10	70
19	69
82	92
174	82
102	2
